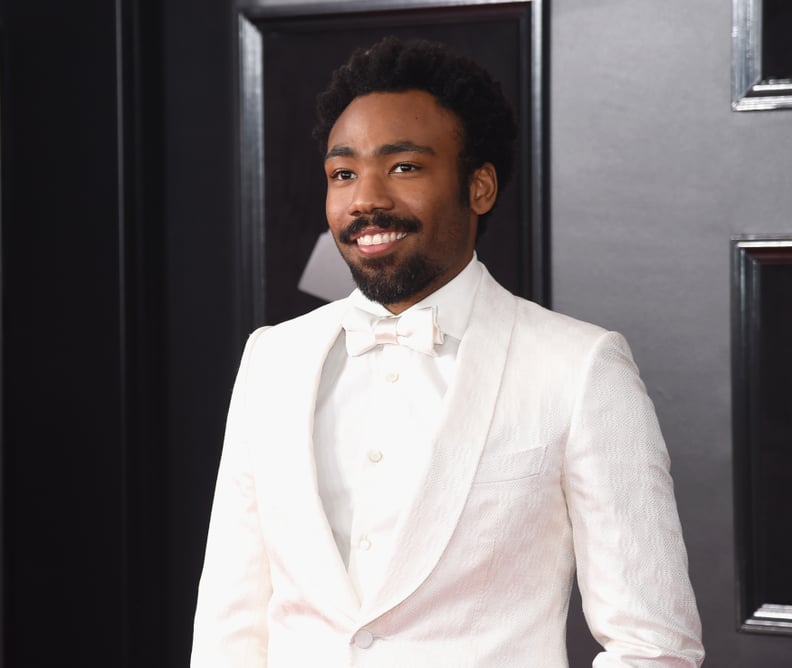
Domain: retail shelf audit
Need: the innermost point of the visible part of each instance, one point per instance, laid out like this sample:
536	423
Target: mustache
381	220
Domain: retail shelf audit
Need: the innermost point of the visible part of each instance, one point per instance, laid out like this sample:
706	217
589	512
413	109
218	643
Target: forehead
375	119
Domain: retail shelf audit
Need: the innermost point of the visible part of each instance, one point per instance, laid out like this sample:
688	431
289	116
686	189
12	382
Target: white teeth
380	238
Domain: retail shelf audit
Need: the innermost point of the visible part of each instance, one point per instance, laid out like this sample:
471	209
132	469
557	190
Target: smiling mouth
379	238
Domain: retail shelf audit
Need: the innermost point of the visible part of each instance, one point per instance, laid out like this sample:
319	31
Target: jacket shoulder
540	325
541	321
298	331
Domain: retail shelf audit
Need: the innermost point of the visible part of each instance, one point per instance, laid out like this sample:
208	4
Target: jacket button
363	639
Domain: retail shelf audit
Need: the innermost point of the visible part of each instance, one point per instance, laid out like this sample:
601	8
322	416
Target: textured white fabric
547	454
376	415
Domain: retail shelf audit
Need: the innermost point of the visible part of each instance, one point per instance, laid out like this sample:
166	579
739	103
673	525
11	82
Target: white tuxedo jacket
548	457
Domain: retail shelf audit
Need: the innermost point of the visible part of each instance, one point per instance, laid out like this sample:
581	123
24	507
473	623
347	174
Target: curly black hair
457	83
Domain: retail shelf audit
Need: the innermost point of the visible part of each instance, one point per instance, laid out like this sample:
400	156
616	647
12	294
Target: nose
369	194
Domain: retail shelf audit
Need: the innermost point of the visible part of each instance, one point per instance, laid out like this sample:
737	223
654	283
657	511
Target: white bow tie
417	329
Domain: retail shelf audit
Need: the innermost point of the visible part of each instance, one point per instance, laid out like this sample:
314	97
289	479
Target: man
418	491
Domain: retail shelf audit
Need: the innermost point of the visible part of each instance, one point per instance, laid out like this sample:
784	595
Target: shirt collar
454	300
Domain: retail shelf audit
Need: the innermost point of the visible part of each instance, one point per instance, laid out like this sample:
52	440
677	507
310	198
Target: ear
483	189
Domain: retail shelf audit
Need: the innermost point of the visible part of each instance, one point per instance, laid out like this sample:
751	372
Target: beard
385	280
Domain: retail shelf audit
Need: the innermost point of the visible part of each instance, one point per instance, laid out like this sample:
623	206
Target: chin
384	281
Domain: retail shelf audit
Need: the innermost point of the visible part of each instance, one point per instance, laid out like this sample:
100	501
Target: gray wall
651	174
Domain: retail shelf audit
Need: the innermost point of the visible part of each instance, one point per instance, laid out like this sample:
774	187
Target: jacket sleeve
230	628
631	559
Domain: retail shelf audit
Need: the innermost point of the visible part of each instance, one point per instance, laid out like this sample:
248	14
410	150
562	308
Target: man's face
393	196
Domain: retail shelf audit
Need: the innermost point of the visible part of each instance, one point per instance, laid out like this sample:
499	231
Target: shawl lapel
426	527
307	541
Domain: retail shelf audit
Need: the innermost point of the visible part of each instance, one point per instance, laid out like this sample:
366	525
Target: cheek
422	203
444	215
334	211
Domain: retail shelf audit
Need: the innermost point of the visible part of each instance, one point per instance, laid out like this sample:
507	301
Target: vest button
363	639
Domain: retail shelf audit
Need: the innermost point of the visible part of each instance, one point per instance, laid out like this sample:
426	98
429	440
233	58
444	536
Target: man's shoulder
540	322
557	341
327	313
548	322
327	316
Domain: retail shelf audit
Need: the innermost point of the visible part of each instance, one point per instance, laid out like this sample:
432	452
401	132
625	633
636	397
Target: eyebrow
344	151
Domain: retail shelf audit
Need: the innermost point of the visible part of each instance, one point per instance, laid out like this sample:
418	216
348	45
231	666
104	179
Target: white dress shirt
375	421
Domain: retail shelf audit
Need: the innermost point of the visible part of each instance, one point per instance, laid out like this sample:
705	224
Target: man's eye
404	167
342	175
